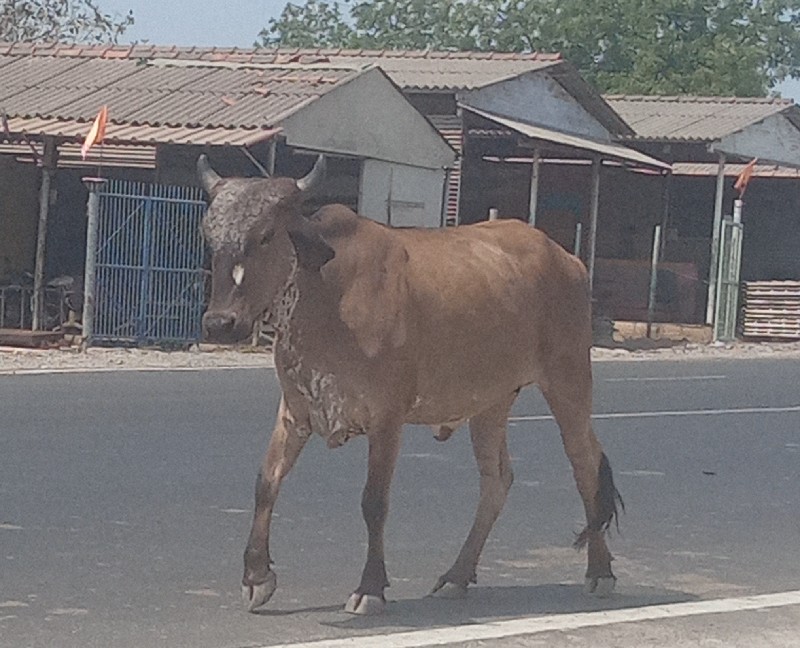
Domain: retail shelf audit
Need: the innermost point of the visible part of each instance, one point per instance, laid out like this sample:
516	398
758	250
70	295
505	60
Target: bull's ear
312	250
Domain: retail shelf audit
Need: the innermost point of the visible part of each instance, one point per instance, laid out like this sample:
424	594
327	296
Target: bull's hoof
365	604
254	596
449	591
600	587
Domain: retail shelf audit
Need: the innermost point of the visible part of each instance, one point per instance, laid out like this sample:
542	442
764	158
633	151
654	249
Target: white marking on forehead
238	274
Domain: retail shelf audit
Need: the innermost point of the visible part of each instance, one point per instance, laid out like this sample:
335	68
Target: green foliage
59	20
739	47
314	24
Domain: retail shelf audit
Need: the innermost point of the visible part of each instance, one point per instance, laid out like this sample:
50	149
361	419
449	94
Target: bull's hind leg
488	432
288	439
568	391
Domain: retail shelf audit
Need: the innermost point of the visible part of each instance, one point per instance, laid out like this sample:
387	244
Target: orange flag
97	132
744	177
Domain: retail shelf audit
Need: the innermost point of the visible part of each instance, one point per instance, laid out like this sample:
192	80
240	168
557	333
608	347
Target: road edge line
552	623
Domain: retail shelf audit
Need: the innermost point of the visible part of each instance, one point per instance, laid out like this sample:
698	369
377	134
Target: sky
225	23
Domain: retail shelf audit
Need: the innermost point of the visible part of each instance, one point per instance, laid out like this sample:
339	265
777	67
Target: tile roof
57	90
410	69
689	118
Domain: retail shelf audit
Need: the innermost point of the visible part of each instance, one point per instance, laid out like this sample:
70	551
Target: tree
739	47
314	24
59	20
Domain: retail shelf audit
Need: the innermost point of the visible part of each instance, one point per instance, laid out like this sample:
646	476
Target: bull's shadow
484	604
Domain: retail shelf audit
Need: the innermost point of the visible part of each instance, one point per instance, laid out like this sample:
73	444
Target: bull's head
252	226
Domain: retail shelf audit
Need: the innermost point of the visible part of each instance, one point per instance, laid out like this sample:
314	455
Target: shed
386	158
516	119
708	140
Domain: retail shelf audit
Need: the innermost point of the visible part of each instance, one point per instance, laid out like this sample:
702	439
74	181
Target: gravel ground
13	360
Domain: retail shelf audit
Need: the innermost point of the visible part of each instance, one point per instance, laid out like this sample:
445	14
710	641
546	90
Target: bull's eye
238	274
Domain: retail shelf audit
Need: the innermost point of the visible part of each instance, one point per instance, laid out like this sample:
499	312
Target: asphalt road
125	503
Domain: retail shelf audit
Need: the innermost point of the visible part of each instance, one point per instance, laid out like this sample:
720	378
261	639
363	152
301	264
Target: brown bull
378	327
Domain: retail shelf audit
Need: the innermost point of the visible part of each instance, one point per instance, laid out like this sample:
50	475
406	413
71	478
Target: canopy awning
606	150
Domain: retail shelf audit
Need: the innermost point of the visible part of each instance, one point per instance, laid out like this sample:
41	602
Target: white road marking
659	414
80	370
642	473
551	623
68	612
664	379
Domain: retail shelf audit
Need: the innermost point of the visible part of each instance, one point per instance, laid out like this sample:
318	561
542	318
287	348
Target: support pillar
49	163
594	211
534	196
94	185
712	272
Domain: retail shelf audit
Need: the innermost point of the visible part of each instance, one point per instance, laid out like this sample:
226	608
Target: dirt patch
14	360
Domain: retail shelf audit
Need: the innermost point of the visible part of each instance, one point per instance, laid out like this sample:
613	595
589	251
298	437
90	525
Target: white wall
416	194
537	98
774	139
368	117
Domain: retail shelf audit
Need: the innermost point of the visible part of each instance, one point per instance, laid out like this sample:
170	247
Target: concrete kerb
26	361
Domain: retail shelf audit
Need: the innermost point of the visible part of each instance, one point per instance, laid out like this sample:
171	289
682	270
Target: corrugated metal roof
141	134
733	170
693	118
409	69
69	155
606	149
157	100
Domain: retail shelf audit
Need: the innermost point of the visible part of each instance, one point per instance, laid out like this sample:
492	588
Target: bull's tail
608	504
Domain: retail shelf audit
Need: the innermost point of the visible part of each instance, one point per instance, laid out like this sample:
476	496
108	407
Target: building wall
538	99
415	194
771	216
19	212
368	117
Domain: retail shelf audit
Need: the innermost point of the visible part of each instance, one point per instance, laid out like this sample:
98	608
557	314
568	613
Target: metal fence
149	264
16	310
730	262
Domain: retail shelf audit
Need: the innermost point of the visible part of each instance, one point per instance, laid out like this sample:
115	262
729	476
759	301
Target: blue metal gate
149	264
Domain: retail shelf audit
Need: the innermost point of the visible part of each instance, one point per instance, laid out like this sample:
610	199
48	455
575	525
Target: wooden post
49	162
666	196
594	211
273	144
264	172
534	195
712	273
93	214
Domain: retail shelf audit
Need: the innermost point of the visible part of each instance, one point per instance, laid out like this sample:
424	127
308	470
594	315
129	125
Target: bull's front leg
383	449
288	439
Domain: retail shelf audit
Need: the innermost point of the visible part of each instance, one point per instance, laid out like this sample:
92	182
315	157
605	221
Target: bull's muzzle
222	327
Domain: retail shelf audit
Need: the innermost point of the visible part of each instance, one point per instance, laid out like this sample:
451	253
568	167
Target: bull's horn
208	177
314	176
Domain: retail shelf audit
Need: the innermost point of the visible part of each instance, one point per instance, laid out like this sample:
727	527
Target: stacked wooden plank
772	309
